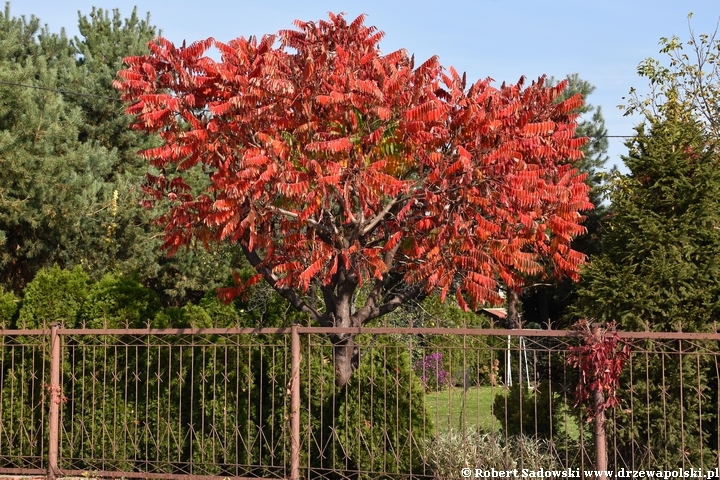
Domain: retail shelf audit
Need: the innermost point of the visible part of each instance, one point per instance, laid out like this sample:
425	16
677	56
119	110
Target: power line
115	99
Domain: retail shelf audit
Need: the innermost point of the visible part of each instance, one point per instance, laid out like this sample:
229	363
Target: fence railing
423	403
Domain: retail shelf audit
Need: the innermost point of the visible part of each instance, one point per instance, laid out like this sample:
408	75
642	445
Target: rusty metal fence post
600	436
295	405
55	391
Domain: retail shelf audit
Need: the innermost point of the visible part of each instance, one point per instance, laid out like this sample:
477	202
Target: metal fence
423	403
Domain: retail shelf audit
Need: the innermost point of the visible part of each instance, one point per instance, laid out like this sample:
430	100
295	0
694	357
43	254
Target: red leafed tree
330	163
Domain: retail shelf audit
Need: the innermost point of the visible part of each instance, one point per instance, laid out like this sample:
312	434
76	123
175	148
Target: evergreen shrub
9	308
533	412
54	296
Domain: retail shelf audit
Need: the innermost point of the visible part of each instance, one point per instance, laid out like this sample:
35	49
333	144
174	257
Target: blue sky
603	41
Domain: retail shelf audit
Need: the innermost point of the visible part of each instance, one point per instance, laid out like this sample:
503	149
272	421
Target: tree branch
374	222
287	293
398	300
330	300
370	309
294	215
364	314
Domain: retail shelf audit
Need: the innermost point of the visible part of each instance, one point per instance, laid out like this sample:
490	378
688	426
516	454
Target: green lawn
446	409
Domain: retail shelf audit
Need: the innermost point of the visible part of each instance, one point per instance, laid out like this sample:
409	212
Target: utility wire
115	99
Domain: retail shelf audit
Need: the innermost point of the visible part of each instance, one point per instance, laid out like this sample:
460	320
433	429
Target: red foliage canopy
328	161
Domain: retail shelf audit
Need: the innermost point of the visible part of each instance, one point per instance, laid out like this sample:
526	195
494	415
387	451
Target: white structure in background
501	314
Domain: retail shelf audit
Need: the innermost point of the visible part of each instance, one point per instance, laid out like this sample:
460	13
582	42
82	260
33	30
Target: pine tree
51	184
104	41
72	180
132	240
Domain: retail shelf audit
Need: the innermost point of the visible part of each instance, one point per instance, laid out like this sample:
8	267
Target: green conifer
660	271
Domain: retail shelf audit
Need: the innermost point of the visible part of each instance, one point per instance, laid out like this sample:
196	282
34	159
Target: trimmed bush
189	316
55	295
119	302
130	398
536	415
222	314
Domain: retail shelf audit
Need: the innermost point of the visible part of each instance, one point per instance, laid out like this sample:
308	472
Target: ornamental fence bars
217	403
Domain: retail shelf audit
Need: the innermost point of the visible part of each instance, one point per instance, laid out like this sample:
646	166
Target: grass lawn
446	409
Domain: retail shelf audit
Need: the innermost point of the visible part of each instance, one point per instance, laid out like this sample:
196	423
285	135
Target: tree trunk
345	350
513	315
346	357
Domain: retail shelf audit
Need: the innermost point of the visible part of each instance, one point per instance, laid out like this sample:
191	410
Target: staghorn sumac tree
334	165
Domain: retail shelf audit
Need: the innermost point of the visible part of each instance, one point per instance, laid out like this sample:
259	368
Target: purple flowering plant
432	372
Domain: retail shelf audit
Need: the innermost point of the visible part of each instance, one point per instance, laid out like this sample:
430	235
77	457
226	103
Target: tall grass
452	451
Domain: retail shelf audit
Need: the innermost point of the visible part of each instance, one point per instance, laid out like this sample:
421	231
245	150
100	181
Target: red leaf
322	155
